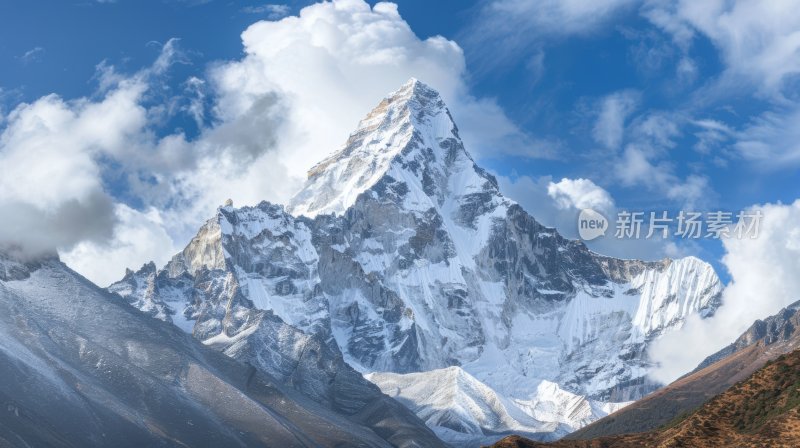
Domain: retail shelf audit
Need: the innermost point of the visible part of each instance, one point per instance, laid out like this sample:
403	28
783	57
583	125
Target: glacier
400	259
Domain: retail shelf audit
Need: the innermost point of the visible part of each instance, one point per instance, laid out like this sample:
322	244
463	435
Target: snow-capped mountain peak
410	133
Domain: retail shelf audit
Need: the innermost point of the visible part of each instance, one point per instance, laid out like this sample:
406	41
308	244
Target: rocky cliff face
401	255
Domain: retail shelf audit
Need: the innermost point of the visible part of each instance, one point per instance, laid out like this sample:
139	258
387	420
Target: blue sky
660	105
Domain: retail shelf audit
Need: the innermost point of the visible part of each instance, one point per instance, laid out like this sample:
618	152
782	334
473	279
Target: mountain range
400	262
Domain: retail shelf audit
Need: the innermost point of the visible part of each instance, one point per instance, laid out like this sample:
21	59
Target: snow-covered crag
401	255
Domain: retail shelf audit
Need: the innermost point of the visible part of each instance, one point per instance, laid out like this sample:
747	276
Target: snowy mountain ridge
402	256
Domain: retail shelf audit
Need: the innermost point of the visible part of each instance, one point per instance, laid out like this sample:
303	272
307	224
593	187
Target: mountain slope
763	341
763	410
80	368
402	256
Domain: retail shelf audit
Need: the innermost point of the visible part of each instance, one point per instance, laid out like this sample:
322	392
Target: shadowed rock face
401	255
81	368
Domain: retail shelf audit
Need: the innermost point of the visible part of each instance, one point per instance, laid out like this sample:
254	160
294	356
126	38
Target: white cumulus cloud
138	238
51	191
579	194
334	62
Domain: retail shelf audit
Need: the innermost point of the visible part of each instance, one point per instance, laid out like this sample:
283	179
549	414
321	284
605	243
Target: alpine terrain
401	260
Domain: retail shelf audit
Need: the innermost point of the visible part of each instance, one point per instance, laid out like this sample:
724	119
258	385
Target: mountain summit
411	137
400	255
